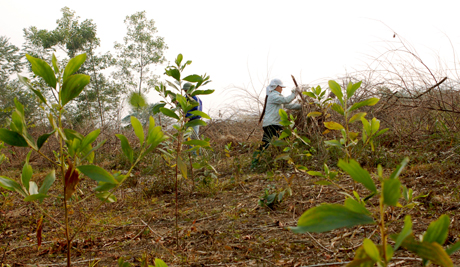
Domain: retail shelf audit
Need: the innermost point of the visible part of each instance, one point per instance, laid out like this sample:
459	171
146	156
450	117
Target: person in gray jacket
271	121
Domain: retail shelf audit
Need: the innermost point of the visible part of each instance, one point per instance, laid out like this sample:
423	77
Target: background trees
139	51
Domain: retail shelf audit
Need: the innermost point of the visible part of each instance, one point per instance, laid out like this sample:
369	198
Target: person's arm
295	106
277	98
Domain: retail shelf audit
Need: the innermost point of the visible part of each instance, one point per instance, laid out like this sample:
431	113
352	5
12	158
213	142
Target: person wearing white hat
271	120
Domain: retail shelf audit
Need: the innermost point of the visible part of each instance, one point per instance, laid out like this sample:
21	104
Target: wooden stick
297	91
263	111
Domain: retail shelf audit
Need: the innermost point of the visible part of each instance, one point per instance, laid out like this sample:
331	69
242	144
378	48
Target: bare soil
219	225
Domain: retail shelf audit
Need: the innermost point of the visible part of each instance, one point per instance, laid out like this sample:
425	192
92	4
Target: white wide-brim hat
273	84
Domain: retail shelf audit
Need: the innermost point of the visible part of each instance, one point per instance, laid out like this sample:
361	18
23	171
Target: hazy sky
231	40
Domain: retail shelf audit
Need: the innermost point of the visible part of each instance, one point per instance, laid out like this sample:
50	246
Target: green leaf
200	113
368	102
338	108
314	114
361	259
127	150
202	92
90	138
355	206
428	251
46	185
160	263
399	169
179	60
96	173
284	156
193	78
36	92
169	113
71	134
351	88
42	69
453	248
73	86
12	138
55	64
357	173
333	143
357	116
336	89
371	250
375	125
366	126
73	65
36	197
285	133
196	122
315	173
391	191
331	125
279	143
194	142
173	73
90	153
310	94
283	114
11	185
406	231
26	175
137	100
328	217
381	132
182	167
106	197
437	231
42	139
156	107
138	130
323	182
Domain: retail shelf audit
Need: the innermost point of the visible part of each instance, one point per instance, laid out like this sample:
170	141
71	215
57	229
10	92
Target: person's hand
296	89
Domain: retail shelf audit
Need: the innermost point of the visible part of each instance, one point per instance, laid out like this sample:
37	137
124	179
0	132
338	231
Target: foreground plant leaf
406	231
358	174
328	217
438	230
428	251
97	174
12	185
12	138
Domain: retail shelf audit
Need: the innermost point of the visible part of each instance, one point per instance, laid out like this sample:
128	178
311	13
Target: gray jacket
275	102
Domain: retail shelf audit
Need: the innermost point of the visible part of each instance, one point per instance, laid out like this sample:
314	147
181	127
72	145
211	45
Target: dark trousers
269	132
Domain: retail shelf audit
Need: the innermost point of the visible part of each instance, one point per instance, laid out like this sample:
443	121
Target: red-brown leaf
71	181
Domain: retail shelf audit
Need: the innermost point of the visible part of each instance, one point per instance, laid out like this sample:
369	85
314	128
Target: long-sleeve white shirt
275	102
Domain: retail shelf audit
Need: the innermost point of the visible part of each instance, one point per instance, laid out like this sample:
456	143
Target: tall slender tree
141	49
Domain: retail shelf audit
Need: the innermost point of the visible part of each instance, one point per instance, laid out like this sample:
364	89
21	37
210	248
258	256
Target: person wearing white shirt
271	121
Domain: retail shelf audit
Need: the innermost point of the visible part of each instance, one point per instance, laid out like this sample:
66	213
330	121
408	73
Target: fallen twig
151	229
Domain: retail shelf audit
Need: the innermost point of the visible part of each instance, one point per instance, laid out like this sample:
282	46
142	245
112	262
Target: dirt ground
220	225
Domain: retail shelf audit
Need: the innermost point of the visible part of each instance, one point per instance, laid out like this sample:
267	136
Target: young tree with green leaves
140	50
73	159
176	104
355	209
